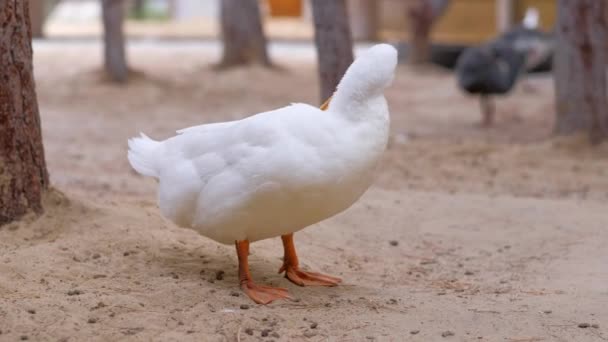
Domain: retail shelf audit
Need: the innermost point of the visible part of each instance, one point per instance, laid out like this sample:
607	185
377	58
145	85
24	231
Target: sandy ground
468	235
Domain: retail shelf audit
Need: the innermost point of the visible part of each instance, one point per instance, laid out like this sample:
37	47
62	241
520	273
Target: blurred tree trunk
334	43
138	8
23	174
580	68
423	14
114	40
504	15
242	34
37	17
364	19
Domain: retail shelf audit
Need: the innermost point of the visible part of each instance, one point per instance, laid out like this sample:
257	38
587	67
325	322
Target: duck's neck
360	92
368	121
359	107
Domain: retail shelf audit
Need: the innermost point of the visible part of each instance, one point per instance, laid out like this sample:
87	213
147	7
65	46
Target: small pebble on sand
469	272
447	333
219	275
74	292
31	311
249	331
244	306
394	243
314	325
547	311
414	332
92	320
265	332
584	325
309	334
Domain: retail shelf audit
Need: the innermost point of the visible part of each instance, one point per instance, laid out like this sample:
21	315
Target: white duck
274	173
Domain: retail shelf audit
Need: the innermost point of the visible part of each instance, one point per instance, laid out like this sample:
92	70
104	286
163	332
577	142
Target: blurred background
487	220
466	22
170	70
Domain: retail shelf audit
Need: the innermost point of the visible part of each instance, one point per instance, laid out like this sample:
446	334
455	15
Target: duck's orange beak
326	103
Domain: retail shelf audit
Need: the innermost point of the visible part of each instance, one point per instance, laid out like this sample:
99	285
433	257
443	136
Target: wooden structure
470	21
285	8
465	21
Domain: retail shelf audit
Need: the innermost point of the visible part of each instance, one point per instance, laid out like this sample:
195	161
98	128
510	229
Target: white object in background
531	19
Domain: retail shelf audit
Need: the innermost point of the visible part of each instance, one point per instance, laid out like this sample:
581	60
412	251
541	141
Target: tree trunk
364	19
23	174
242	34
334	43
504	15
37	17
114	40
423	14
580	69
138	8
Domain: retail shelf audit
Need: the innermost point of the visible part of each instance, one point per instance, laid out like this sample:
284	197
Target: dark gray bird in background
493	68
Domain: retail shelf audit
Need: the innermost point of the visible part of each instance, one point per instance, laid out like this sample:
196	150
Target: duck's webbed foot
295	274
258	293
263	294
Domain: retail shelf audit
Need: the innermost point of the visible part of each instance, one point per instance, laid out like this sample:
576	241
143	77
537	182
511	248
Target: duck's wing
221	168
259	130
207	127
227	124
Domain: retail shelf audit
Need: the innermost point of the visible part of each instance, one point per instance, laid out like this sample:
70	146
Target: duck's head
368	76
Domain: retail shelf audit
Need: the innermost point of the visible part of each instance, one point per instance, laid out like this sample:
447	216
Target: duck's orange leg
258	293
295	274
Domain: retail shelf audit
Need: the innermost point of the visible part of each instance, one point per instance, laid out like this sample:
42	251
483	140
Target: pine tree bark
115	58
580	69
364	19
334	43
242	34
37	17
23	174
423	14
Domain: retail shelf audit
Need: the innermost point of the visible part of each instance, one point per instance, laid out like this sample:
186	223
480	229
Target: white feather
143	155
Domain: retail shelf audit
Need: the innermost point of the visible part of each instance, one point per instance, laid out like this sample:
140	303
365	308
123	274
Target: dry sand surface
468	235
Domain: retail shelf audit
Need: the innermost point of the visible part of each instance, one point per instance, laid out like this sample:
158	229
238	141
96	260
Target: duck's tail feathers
143	155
